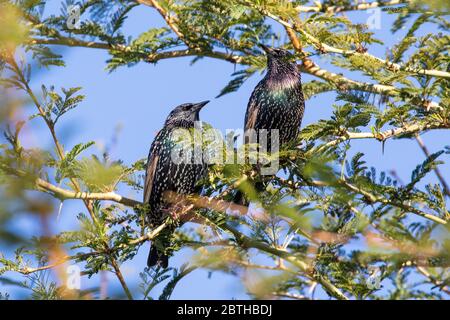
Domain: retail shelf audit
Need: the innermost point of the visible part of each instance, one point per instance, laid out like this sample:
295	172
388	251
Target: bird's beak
200	105
266	49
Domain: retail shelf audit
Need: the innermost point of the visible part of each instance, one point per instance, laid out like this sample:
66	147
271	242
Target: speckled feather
163	174
166	175
277	101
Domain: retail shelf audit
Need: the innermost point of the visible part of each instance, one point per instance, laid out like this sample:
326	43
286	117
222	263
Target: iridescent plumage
277	101
163	174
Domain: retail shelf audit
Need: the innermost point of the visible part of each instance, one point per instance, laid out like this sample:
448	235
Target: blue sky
138	99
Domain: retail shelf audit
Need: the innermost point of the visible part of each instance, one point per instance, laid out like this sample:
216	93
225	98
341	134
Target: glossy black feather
164	174
277	101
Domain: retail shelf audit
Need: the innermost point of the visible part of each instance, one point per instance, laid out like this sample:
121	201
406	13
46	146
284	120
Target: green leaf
359	120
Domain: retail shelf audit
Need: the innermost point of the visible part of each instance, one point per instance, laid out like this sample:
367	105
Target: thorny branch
61	154
336	9
311	68
323	47
220	205
436	170
383	136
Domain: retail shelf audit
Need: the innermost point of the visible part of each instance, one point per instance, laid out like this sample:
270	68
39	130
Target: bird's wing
251	117
252	113
149	176
152	166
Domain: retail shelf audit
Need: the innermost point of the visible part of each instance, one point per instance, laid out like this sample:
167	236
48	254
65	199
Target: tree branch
121	279
407	208
323	47
200	203
437	282
215	204
371	198
63	194
343	83
247	242
336	9
147	237
61	154
149	57
171	21
383	136
436	170
290	296
50	125
340	81
311	68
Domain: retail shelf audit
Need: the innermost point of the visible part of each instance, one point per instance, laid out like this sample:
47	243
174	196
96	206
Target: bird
164	173
277	102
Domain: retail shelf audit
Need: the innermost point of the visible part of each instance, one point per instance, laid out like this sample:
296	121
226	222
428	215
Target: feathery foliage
329	219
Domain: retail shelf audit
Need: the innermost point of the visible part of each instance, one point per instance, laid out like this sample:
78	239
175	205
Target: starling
277	101
165	173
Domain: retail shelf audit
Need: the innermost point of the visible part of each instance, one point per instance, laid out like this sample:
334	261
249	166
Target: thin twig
437	282
69	194
290	295
323	47
148	236
246	242
383	136
436	169
119	275
61	154
352	7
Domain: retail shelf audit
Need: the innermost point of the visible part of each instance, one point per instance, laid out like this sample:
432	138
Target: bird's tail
239	197
157	258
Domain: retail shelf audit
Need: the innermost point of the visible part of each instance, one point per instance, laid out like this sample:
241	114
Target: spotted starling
277	101
167	170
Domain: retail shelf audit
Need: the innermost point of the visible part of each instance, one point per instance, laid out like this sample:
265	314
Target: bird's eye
281	53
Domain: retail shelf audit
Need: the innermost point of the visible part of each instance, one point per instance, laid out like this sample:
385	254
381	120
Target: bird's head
279	59
186	113
277	53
